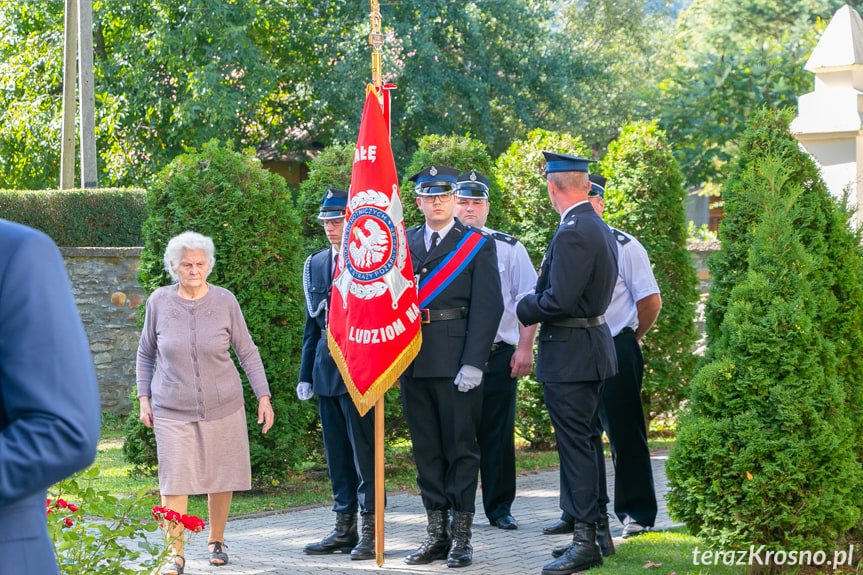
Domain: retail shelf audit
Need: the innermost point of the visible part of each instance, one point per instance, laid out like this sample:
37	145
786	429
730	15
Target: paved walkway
274	544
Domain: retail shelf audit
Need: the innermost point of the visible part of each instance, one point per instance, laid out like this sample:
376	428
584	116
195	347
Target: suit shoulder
416	228
621	237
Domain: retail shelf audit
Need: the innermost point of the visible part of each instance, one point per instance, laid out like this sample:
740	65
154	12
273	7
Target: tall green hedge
644	197
248	213
80	218
765	451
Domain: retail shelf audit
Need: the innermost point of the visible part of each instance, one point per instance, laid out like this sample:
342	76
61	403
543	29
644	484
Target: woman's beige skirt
203	456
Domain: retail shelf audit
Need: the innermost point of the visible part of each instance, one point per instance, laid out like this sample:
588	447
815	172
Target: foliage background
644	197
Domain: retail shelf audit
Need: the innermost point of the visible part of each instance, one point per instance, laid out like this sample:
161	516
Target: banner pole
380	488
376	39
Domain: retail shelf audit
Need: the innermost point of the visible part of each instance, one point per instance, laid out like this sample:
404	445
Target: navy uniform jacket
447	345
49	398
317	366
576	279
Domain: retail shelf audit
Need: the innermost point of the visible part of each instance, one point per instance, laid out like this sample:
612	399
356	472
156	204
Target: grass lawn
660	553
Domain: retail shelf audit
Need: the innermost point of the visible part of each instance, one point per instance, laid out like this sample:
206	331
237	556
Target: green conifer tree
764	452
823	223
644	197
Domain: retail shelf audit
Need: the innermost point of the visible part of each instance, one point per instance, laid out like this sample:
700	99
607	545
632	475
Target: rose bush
99	533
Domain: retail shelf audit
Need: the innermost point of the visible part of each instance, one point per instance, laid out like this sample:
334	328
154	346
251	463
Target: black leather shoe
583	554
438	539
560	528
633	529
505	522
342	538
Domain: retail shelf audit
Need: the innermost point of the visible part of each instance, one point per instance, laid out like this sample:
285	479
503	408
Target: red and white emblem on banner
373	323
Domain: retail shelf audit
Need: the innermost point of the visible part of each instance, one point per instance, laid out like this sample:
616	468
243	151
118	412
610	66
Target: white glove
468	377
304	391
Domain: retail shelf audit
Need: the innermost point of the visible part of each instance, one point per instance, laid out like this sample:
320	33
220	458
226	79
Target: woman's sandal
218	557
175	568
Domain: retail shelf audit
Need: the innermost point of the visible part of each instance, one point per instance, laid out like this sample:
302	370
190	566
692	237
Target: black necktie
435	238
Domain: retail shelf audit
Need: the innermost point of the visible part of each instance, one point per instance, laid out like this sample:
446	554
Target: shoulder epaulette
500	236
621	237
480	231
415	227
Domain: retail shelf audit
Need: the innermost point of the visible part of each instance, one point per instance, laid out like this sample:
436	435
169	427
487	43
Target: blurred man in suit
49	398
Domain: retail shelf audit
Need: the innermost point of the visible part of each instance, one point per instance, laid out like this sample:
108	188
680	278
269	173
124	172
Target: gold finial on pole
376	39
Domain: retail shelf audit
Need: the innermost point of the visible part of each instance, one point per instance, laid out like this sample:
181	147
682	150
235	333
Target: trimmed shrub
107	217
823	225
247	211
525	194
764	452
644	197
462	153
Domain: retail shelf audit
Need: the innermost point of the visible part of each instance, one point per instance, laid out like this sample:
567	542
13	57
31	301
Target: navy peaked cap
434	180
472	184
563	163
334	204
597	186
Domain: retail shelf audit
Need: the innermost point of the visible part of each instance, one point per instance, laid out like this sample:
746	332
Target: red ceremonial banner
373	324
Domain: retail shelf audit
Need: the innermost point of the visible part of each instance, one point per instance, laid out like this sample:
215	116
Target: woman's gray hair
188	241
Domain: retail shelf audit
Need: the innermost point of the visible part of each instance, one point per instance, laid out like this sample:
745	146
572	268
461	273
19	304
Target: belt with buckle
580	322
430	315
499	345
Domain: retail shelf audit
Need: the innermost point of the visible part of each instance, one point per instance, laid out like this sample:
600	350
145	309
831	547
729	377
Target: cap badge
472	176
433	171
329	194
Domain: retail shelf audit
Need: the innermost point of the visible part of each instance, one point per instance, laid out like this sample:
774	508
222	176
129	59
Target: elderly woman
190	392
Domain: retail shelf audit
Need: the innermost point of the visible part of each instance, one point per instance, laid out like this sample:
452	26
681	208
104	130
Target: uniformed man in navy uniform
507	363
575	350
348	438
634	308
459	297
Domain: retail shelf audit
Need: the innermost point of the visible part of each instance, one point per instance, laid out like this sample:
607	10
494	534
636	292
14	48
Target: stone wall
105	286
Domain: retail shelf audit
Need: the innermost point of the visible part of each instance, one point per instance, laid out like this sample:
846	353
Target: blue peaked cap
334	204
472	184
434	180
597	186
563	163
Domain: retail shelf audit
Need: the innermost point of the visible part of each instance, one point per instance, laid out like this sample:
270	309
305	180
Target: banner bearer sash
374	320
446	271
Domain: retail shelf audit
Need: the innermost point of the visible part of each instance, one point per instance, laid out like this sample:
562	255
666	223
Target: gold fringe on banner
384	381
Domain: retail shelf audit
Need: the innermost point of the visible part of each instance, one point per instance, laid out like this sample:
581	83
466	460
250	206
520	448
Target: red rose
68	522
158	512
192	523
73	507
61	503
172	515
47	503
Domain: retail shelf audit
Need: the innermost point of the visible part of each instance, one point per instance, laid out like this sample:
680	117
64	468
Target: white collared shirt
442	233
517	278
